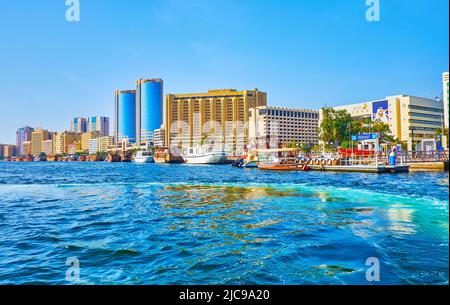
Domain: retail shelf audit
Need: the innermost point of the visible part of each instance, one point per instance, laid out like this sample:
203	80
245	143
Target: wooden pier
381	169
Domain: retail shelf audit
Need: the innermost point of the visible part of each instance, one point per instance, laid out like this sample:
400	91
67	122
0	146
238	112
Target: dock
381	169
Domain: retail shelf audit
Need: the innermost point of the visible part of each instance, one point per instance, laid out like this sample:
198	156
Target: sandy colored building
218	117
86	136
62	139
37	138
104	143
26	148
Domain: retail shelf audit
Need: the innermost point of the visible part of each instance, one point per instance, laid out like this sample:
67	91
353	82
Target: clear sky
303	53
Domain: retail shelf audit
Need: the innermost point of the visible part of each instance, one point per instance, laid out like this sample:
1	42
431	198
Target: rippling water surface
180	224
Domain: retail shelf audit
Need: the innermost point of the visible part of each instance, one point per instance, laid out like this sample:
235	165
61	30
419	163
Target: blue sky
302	53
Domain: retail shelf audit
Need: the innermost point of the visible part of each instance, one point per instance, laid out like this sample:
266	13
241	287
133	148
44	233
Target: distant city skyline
304	54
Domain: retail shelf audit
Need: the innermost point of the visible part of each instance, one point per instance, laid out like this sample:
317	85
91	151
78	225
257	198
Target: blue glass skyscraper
149	108
125	115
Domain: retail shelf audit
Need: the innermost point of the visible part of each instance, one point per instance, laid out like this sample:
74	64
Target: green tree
336	125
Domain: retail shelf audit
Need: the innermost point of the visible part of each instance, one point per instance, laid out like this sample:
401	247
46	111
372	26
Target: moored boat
163	155
143	156
197	156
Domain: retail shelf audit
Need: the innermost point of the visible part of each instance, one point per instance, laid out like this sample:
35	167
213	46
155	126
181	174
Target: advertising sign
380	111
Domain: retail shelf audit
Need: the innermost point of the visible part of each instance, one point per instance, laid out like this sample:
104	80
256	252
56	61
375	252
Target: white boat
196	156
143	157
251	161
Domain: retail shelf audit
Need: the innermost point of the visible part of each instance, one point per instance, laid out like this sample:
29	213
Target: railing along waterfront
382	158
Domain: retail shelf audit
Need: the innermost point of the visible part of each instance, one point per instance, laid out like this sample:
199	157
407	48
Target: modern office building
125	115
78	125
23	134
86	137
98	123
445	95
410	119
276	126
37	137
149	108
217	117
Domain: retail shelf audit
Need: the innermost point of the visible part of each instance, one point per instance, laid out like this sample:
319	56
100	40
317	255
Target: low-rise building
276	126
159	137
93	146
26	148
9	151
47	147
105	143
71	149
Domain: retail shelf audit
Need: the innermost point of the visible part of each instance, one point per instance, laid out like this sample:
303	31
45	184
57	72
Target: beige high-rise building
410	118
37	137
217	117
62	139
86	136
274	126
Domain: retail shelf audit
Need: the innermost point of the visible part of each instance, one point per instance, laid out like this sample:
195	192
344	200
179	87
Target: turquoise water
181	224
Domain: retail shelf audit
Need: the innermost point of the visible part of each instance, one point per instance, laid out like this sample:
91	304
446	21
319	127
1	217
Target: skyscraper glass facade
125	115
149	108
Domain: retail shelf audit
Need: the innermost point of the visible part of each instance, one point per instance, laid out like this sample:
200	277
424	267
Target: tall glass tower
125	115
149	108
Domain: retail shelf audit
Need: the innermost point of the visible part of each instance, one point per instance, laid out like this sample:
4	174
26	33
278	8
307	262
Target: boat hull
251	164
148	159
207	158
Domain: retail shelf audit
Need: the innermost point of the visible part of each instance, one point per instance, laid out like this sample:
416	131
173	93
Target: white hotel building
275	126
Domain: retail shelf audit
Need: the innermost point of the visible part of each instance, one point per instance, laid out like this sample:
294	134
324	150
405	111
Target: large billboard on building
380	111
